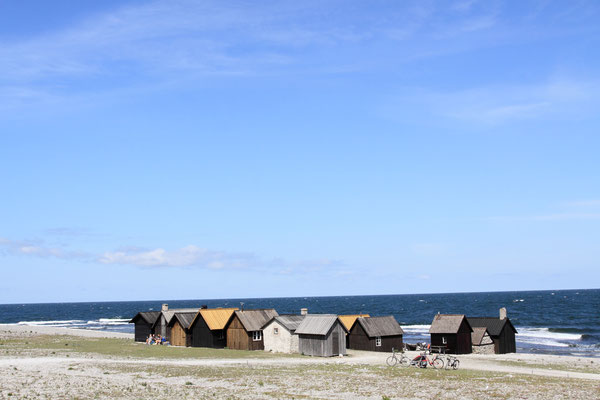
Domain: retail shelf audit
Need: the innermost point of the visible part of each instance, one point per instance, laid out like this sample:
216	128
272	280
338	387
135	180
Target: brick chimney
165	307
303	311
503	313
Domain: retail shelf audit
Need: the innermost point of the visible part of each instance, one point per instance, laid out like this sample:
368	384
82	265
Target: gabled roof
380	326
317	324
493	325
253	320
349	320
448	323
149	317
477	335
215	318
169	314
184	318
289	322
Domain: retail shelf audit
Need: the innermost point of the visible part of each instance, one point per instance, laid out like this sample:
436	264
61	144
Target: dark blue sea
555	322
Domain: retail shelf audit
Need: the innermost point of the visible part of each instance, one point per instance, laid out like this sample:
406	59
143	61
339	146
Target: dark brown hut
244	330
179	328
144	323
322	335
376	334
452	332
161	326
208	327
501	330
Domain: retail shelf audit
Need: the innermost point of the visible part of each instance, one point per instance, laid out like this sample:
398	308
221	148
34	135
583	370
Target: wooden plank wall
237	337
178	335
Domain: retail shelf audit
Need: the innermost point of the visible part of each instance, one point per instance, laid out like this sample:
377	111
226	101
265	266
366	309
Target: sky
161	150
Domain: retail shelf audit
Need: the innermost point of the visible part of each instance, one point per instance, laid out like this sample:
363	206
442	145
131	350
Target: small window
444	341
257	336
276	331
378	341
221	335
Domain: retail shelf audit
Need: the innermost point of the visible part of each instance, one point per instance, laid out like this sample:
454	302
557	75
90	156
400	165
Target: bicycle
394	359
452	362
424	359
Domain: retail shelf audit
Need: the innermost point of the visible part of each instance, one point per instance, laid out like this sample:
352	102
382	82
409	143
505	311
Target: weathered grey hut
376	334
322	335
161	326
482	342
144	323
348	321
501	330
244	330
279	334
179	328
453	332
208	328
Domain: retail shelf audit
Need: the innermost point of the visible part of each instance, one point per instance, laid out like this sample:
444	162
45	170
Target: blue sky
200	149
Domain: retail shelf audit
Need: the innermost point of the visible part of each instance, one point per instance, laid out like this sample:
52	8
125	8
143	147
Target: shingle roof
477	335
149	316
215	318
317	324
493	325
171	312
349	320
290	322
184	318
447	323
253	320
381	326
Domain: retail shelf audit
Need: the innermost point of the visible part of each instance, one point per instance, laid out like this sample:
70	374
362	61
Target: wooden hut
144	323
501	331
179	328
244	330
453	332
279	334
348	321
376	334
208	327
322	335
161	326
481	341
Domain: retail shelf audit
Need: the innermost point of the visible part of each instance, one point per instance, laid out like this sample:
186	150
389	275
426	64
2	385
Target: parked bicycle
452	362
425	359
397	358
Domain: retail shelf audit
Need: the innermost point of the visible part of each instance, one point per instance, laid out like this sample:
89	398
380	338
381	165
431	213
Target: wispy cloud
38	248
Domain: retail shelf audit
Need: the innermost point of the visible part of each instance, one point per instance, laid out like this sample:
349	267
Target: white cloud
185	257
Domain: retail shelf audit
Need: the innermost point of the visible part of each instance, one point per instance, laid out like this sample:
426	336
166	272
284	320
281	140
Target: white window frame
378	341
444	340
275	331
257	336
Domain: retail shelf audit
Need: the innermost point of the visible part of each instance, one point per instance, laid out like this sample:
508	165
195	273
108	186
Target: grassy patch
129	348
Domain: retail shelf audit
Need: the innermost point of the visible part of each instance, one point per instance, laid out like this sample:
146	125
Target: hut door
336	342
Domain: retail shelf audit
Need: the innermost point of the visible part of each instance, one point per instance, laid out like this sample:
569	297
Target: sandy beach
48	362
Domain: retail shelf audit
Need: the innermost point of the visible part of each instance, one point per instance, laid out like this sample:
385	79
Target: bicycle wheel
438	363
404	361
391	361
455	364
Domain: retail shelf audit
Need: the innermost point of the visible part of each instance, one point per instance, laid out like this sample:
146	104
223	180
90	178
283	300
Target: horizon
298	297
297	149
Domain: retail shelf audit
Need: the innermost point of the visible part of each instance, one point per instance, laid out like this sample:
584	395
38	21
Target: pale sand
45	374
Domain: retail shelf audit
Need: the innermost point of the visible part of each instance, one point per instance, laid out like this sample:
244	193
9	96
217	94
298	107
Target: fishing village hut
482	342
208	327
179	328
244	330
161	326
376	334
501	331
144	323
322	335
452	332
348	321
279	334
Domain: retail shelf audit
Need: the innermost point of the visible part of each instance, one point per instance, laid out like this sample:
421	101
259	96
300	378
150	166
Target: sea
562	322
